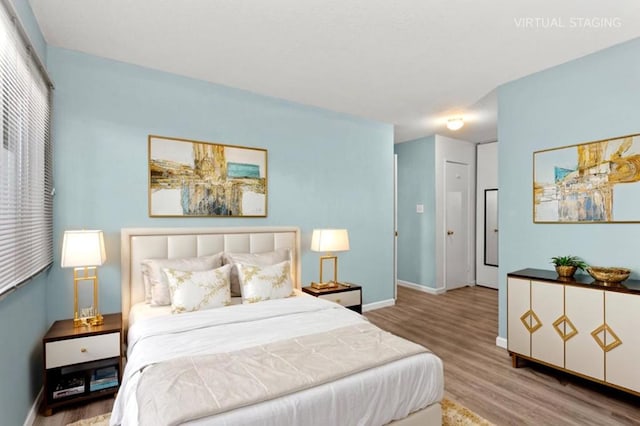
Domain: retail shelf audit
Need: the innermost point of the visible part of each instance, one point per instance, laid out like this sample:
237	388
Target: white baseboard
422	288
378	305
33	412
501	342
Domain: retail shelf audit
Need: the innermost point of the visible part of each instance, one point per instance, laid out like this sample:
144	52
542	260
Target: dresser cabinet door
547	344
518	304
584	310
622	313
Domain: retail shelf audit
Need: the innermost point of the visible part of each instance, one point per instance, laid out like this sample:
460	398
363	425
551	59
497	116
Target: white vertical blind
26	207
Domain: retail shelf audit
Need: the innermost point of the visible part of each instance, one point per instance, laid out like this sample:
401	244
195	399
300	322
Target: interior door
456	224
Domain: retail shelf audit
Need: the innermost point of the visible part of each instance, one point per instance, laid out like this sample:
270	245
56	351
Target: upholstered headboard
144	243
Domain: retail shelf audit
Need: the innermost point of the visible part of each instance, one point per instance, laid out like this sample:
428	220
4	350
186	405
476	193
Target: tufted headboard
138	244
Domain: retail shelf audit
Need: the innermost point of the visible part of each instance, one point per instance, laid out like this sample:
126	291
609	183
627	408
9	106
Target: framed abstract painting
200	179
594	182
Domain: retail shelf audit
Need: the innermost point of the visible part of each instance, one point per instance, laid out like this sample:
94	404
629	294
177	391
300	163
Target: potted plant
566	266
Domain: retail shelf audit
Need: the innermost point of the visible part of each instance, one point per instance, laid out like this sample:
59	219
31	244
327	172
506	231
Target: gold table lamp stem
87	273
332	283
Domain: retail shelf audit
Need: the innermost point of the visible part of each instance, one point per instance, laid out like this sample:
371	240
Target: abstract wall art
594	182
194	179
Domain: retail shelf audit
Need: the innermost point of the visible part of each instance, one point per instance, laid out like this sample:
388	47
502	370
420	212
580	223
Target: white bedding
144	310
389	392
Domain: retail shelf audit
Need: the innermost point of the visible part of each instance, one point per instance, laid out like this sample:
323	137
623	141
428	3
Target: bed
404	389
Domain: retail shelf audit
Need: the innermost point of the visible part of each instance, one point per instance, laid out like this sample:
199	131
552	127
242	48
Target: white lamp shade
329	240
83	248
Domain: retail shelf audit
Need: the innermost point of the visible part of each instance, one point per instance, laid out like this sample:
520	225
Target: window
26	207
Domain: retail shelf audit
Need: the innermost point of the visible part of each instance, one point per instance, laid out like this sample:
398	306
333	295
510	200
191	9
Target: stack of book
68	385
103	378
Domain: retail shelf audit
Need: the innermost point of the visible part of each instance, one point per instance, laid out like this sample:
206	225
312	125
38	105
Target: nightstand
348	296
81	363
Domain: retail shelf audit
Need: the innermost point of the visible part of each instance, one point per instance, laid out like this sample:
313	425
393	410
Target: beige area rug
453	414
101	420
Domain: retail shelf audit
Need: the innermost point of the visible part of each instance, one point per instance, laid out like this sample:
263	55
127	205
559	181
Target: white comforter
411	384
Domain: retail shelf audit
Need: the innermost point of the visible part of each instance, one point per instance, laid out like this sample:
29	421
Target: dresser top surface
580	280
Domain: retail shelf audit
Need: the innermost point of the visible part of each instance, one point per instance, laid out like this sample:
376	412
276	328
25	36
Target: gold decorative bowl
608	275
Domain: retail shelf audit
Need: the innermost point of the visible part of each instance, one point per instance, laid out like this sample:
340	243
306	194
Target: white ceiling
411	63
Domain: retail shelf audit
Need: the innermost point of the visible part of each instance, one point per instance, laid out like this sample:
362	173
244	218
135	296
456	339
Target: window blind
26	178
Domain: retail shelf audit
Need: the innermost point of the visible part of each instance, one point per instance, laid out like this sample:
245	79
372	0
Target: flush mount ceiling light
455	123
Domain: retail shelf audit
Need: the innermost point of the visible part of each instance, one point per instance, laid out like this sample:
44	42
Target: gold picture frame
190	178
576	183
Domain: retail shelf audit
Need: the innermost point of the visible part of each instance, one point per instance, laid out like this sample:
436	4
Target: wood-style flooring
461	327
73	414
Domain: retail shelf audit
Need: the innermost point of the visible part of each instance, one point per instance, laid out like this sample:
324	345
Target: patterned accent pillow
198	290
260	283
260	259
159	286
147	284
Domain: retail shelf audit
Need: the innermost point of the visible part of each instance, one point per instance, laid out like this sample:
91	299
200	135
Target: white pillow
159	291
147	283
198	290
260	283
260	259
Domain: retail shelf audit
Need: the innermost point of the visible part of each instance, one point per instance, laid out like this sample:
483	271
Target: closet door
622	339
547	304
584	311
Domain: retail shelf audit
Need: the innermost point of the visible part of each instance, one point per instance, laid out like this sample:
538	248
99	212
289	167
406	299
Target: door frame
395	227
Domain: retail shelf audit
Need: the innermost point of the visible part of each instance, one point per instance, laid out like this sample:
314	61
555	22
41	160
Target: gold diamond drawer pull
567	323
531	317
608	332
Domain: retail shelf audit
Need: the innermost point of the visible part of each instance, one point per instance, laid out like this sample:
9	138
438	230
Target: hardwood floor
461	326
75	413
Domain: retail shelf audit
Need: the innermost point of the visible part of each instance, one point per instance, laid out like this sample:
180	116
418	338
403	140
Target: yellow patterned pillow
258	283
198	290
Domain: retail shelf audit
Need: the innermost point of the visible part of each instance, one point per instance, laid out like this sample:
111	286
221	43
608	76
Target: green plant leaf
569	261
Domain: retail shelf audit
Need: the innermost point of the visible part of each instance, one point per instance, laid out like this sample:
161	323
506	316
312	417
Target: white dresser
579	326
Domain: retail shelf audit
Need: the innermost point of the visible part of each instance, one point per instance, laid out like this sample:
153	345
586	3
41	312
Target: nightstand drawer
82	349
345	298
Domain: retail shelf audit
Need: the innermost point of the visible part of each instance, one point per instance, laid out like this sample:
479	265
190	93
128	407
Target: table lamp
329	241
84	251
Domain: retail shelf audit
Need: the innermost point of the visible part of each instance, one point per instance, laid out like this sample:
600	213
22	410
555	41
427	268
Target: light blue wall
592	98
31	27
416	232
325	169
23	319
22	325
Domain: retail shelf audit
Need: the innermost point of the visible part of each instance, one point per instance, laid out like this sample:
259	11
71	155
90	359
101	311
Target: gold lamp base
328	284
88	316
88	321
